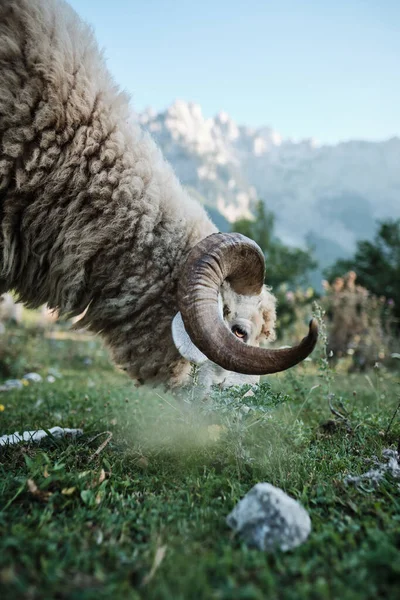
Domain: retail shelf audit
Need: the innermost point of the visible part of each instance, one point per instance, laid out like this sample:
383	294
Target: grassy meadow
135	507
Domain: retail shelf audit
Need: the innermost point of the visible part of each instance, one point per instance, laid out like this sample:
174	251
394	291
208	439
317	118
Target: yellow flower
2	407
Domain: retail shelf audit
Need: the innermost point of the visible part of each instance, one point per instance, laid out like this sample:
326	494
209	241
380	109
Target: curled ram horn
239	260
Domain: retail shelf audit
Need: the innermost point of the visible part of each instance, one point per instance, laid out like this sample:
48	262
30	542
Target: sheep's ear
184	344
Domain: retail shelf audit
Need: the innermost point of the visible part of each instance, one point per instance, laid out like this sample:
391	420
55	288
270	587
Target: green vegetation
377	264
285	265
141	513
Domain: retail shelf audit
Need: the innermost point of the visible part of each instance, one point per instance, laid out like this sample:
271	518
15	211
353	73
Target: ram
93	219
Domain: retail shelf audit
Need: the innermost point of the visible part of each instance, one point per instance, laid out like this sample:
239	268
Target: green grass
79	525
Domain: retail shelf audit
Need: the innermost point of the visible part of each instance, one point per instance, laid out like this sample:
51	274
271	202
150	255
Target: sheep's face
250	318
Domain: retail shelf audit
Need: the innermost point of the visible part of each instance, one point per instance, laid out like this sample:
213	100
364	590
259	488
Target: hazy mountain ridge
316	191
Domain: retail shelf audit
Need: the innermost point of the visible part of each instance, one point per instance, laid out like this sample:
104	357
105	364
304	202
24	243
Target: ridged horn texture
240	261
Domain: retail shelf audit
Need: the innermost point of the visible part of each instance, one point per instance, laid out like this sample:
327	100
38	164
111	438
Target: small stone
50	378
376	475
37	435
34	377
13	384
249	394
269	519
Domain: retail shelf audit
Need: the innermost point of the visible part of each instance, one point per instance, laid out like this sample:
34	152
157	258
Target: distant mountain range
328	196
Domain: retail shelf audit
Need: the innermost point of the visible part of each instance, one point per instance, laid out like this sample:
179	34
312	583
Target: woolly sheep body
91	214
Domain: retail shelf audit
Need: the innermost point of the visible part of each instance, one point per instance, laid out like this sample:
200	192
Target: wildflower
2	407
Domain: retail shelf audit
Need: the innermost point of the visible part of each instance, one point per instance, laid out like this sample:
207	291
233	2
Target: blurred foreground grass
144	517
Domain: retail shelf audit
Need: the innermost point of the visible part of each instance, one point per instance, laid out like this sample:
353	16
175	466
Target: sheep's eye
239	332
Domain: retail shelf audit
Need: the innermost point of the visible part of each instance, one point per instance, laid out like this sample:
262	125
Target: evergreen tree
377	264
284	264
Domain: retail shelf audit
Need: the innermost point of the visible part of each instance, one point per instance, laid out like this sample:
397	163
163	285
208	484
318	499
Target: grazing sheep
251	318
92	217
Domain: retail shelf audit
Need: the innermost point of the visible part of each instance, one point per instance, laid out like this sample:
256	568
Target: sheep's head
226	312
250	318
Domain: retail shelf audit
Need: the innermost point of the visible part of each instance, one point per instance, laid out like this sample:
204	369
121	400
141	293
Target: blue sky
324	69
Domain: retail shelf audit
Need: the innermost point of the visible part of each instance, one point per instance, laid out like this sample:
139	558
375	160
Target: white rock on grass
269	519
376	475
11	384
33	377
18	384
39	434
